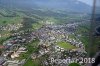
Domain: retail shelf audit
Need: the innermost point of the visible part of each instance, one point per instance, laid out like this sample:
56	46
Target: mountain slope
67	5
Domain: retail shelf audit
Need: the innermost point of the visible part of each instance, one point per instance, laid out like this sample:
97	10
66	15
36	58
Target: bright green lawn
65	45
74	64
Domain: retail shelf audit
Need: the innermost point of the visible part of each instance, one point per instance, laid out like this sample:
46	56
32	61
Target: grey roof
1	60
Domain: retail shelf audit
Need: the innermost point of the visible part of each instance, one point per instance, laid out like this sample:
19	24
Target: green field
36	25
74	64
32	47
65	45
31	62
9	20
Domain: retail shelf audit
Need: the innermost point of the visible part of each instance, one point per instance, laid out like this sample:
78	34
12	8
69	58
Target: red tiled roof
1	47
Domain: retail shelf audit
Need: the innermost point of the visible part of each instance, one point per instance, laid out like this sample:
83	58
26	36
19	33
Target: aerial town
50	41
45	33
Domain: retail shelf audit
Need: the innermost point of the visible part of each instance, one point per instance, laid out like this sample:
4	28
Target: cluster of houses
6	62
75	43
14	47
10	27
48	35
56	34
11	53
51	34
43	49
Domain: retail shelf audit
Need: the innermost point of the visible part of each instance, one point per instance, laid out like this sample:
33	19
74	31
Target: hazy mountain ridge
67	5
